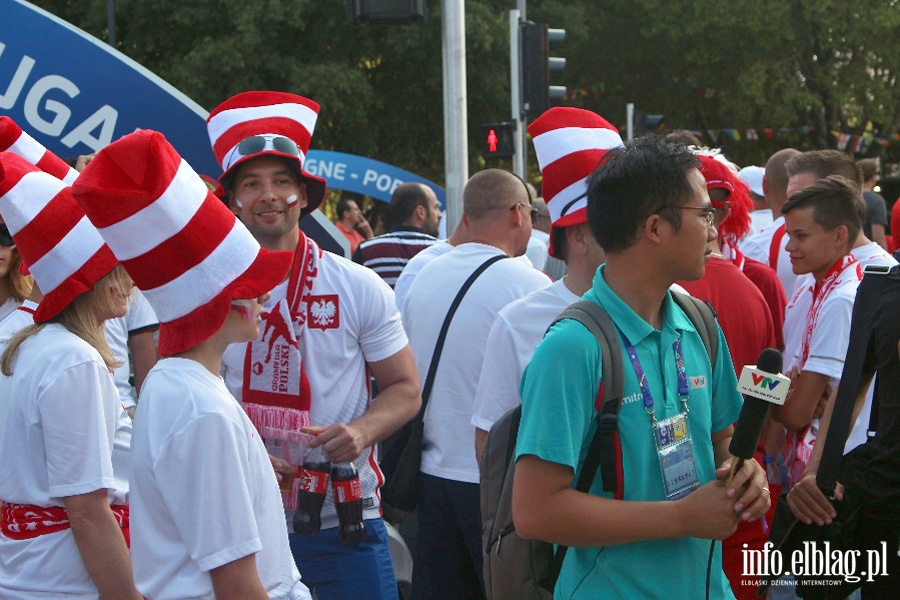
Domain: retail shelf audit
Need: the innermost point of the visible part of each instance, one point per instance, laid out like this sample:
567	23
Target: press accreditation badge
676	456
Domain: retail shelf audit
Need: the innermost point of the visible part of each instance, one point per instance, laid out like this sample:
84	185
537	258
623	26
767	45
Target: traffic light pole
515	86
456	146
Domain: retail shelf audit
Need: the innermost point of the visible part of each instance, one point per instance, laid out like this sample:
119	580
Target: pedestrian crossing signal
497	140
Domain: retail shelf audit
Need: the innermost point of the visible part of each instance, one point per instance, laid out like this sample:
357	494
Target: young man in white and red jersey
326	328
822	221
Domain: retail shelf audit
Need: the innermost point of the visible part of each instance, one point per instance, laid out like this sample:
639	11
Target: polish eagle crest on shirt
324	312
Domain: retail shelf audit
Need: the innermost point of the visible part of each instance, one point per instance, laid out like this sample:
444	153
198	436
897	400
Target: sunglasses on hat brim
259	143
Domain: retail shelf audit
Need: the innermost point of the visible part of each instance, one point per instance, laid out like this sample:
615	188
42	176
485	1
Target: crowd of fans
156	440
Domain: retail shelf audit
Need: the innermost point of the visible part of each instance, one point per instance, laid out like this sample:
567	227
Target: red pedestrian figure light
492	140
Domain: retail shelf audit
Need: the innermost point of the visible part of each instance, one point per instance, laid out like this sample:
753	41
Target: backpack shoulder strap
597	321
703	316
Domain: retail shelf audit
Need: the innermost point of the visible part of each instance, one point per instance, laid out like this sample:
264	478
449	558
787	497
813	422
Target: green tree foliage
826	64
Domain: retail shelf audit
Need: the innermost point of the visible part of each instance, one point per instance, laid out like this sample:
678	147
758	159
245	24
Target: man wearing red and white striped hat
207	517
569	142
326	328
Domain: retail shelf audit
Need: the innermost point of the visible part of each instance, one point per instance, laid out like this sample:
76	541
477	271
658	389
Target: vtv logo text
764	382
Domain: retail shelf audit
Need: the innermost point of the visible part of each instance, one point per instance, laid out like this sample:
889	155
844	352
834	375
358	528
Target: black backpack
517	569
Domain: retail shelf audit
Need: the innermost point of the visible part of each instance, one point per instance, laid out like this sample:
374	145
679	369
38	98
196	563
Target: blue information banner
76	94
363	175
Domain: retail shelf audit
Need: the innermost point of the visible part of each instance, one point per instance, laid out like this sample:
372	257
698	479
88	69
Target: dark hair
560	243
683	137
644	177
823	163
869	168
834	201
343	206
404	201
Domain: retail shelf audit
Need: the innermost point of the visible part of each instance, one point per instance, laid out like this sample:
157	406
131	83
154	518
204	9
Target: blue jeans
448	561
336	571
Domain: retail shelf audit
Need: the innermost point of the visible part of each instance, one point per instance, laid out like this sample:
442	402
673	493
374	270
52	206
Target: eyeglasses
709	213
532	209
258	143
5	237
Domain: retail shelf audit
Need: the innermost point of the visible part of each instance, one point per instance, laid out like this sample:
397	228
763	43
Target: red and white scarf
276	393
799	445
26	522
844	270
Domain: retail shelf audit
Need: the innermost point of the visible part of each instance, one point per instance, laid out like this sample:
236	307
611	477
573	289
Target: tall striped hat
255	124
13	139
64	252
569	142
182	247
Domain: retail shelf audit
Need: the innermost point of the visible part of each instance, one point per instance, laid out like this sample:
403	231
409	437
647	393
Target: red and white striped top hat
569	142
254	124
182	247
64	252
13	139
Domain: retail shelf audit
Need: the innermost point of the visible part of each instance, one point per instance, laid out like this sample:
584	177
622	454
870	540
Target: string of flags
845	141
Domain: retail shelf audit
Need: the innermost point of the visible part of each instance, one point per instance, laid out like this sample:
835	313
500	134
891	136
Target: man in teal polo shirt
648	208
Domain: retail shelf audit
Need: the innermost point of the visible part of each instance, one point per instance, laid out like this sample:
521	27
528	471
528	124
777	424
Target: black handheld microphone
761	386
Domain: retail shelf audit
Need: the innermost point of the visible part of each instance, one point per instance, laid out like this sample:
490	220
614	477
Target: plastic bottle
314	476
348	503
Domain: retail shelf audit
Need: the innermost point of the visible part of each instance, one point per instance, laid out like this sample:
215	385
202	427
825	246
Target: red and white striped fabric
569	143
64	252
13	139
252	114
183	248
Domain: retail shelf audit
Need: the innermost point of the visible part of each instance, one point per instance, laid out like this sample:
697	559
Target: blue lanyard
683	388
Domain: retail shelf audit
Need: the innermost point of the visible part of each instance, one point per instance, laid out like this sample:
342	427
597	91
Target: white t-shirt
203	490
59	381
21	318
538	248
366	328
757	247
139	317
516	332
449	436
415	264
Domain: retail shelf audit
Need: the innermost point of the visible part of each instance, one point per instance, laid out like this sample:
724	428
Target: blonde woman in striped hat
64	521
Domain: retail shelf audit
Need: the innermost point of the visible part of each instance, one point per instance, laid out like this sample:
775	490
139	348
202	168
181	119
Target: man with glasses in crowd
497	209
325	329
649	209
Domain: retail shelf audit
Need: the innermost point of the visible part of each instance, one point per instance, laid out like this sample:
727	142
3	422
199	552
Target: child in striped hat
206	506
60	409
